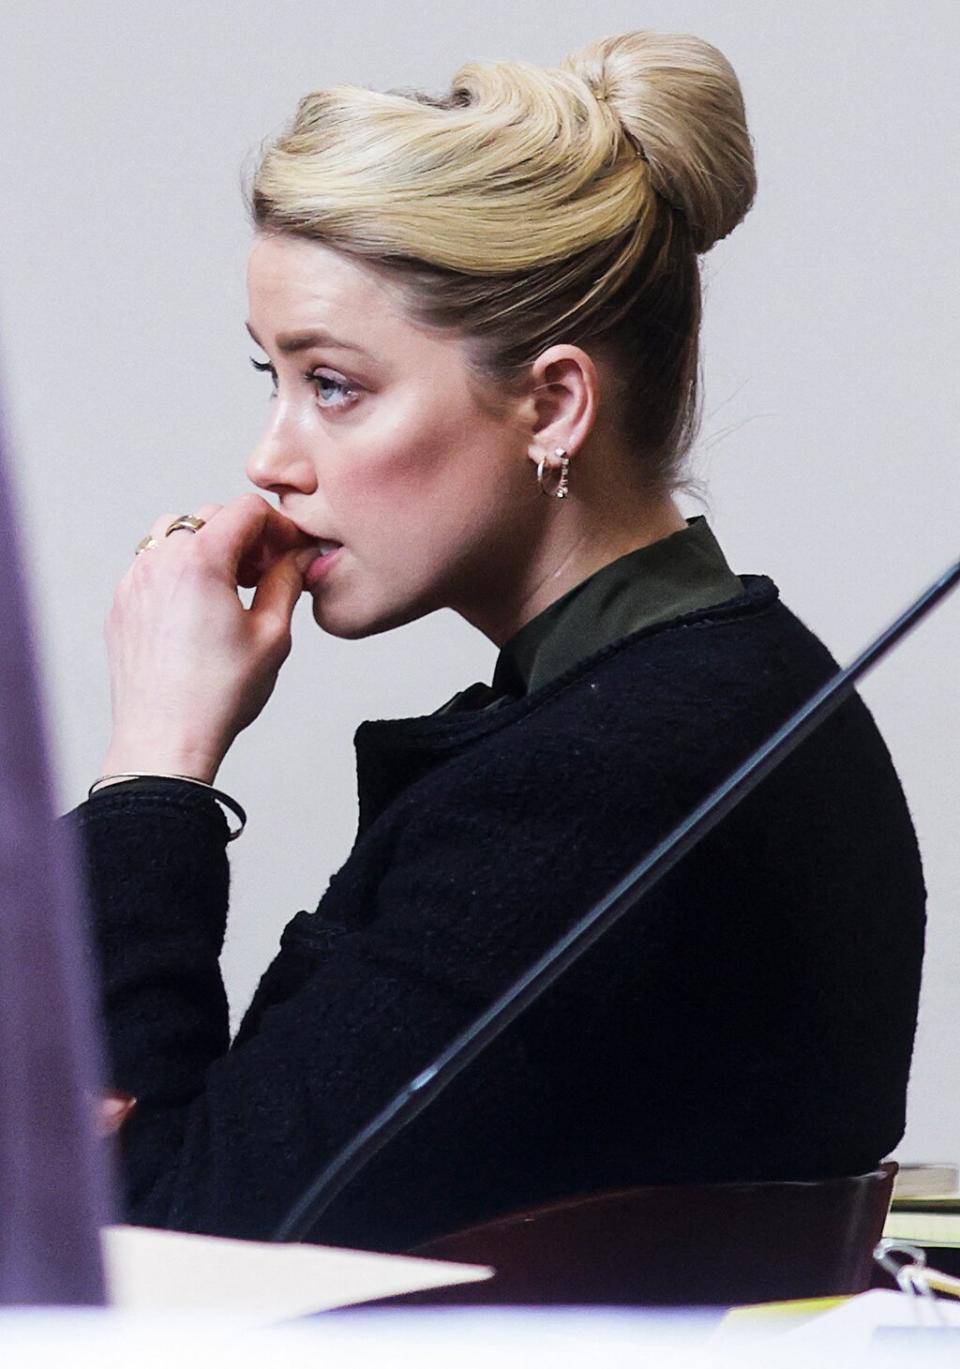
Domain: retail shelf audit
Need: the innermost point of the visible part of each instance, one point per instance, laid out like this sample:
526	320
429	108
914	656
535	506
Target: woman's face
377	445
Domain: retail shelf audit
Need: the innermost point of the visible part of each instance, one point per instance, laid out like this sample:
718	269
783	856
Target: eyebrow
288	343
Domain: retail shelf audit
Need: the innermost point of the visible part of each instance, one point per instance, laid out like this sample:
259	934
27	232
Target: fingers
276	597
158	532
250	532
243	539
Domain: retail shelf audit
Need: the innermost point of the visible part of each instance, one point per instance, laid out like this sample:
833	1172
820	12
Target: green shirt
676	575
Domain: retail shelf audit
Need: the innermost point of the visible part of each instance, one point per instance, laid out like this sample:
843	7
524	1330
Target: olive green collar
673	576
676	575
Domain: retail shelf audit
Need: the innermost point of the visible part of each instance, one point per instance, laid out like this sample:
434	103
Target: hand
111	1108
190	667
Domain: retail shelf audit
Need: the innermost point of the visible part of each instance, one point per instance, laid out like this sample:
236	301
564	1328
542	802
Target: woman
481	318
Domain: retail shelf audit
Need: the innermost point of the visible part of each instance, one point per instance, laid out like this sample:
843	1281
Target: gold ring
188	521
147	543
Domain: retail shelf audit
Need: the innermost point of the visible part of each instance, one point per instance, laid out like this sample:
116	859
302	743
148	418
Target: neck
576	541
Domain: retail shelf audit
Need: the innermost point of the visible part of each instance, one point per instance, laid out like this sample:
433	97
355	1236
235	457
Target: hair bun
679	101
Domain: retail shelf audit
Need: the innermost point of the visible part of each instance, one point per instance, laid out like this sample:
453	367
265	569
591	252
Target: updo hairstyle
533	206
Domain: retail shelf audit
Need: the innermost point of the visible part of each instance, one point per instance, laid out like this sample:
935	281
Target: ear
561	403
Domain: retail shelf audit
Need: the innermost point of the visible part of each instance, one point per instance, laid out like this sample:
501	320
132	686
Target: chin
352	624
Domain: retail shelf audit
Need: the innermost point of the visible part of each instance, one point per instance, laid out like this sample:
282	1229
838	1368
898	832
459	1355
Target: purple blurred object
53	1181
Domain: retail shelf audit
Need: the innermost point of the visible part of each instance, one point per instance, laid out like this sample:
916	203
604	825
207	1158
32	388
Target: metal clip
912	1276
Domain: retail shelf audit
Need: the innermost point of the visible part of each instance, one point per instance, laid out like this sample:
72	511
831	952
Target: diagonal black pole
421	1091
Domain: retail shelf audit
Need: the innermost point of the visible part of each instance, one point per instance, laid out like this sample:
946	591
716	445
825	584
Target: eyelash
314	378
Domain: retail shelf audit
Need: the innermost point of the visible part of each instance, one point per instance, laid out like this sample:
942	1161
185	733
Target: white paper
259	1281
857	1319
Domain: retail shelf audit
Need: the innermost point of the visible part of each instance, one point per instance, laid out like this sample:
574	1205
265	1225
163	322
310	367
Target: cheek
420	476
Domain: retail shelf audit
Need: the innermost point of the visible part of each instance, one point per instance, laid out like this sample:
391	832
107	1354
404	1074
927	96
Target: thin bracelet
218	794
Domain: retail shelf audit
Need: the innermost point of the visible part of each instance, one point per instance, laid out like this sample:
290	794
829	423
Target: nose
280	460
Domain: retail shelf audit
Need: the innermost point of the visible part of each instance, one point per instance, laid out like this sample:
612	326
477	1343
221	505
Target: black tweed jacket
753	1018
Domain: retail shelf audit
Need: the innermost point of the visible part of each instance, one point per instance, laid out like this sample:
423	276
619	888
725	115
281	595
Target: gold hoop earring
562	488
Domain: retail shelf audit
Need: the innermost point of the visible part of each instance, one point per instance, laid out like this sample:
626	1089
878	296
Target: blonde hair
532	206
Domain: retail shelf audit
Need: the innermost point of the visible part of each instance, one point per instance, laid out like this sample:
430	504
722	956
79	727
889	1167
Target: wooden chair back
708	1244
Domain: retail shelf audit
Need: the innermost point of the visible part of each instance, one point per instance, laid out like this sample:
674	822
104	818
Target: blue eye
330	391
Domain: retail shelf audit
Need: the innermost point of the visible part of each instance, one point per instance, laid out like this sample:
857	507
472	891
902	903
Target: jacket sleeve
157	886
223	1139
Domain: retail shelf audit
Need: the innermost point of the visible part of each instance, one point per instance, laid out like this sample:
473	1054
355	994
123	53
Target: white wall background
831	352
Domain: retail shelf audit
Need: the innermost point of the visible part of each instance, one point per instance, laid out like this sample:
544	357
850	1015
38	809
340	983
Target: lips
322	562
319	546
